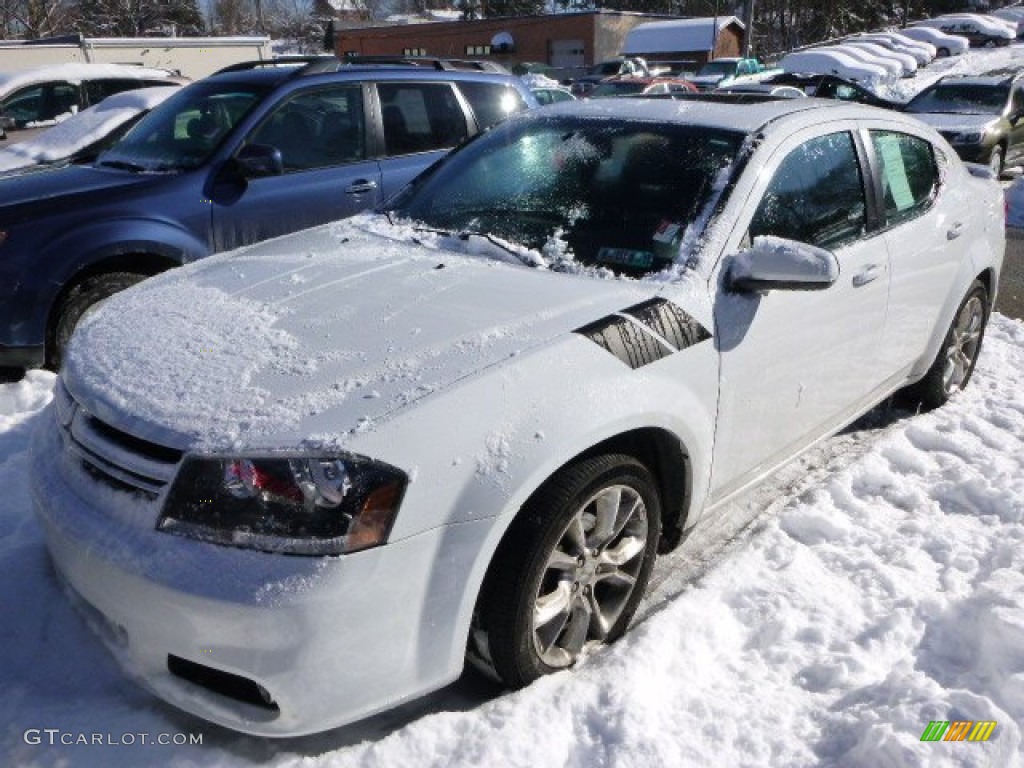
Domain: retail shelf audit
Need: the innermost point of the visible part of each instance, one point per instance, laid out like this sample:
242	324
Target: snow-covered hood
326	332
707	79
955	123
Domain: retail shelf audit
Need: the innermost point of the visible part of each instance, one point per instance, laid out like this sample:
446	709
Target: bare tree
31	19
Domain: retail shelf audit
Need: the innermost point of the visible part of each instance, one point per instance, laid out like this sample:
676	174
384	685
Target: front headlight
297	505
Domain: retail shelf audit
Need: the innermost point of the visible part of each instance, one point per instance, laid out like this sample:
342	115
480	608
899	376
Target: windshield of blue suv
961	99
603	192
184	131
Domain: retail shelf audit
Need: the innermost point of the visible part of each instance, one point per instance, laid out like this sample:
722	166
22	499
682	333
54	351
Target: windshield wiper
122	165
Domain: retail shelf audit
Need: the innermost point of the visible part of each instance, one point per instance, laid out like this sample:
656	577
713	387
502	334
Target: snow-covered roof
75	72
677	35
81	130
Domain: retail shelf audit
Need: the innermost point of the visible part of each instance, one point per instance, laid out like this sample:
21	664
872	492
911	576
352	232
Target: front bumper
320	641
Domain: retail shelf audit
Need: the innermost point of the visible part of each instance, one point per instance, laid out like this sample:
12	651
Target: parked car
727	70
945	44
232	159
33	99
551	94
981	116
83	136
813	62
294	483
627	65
981	32
907	63
832	87
629	85
893	69
1015	16
923	53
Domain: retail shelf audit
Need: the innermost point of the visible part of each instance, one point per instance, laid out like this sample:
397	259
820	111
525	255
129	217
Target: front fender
85	248
479	450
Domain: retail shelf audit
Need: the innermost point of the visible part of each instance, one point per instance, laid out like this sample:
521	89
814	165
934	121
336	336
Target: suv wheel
79	300
572	568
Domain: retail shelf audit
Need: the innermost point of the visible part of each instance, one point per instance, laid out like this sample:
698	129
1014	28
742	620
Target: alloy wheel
590	574
964	341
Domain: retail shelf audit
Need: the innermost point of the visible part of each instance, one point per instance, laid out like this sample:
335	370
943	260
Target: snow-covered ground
871	587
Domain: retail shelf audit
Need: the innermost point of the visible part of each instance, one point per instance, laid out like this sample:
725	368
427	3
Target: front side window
816	196
491	102
316	129
611	193
420	117
41	103
909	176
182	132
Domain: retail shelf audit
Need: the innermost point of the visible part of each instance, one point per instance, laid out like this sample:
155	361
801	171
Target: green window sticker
625	257
894	171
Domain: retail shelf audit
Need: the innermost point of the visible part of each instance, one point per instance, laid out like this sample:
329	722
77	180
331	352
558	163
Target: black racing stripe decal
670	322
637	343
627	341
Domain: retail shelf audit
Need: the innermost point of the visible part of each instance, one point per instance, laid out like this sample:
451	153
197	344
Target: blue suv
242	156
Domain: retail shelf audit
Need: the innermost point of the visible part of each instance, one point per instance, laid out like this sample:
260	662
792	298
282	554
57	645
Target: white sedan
293	484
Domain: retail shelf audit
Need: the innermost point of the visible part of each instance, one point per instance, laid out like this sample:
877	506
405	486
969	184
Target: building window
478	50
414	51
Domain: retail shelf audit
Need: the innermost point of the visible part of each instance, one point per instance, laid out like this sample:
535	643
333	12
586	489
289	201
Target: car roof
744	116
299	71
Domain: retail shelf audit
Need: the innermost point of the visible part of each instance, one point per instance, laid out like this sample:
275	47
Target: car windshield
962	98
717	68
604	192
182	132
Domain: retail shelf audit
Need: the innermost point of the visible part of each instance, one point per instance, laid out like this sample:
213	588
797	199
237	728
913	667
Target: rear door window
492	102
910	178
420	117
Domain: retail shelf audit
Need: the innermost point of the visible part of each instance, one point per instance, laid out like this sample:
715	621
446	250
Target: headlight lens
297	505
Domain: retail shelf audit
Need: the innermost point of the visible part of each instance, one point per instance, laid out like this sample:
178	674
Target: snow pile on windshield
81	130
880	587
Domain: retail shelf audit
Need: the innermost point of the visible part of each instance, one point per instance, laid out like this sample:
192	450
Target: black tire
942	53
996	160
79	300
955	361
534	569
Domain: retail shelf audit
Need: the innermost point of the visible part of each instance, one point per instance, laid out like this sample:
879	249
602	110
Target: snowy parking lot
871	587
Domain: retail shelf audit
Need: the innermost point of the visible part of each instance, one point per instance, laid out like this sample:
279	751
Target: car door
797	364
1015	117
328	172
927	225
420	123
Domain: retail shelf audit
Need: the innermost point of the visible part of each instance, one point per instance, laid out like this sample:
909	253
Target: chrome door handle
869	274
955	231
360	186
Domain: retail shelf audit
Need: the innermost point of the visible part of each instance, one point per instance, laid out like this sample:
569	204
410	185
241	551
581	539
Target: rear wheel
995	160
572	568
79	300
958	354
942	53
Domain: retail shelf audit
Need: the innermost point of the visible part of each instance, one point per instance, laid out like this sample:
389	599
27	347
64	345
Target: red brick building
568	41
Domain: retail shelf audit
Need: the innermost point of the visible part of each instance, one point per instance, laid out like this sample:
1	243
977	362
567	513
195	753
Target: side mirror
255	160
774	263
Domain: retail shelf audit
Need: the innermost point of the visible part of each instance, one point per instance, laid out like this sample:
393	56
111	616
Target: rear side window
420	117
816	196
910	178
492	102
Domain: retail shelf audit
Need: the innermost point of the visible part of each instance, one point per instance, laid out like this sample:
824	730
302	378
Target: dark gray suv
242	156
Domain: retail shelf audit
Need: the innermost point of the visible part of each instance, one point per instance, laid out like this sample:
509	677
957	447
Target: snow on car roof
74	73
745	117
